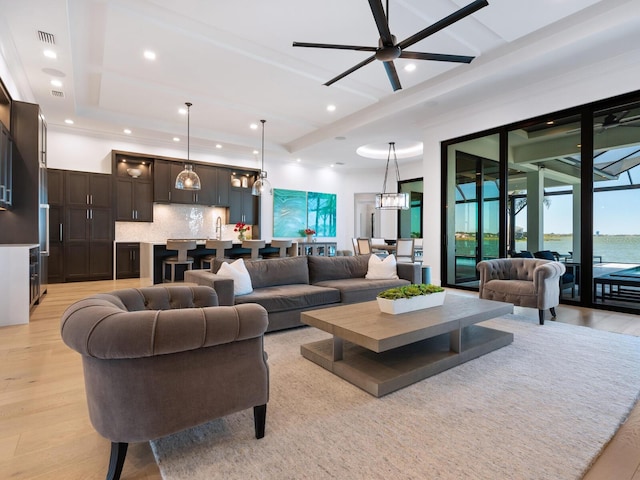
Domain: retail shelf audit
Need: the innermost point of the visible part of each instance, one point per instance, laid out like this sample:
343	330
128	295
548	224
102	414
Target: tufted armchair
526	282
158	360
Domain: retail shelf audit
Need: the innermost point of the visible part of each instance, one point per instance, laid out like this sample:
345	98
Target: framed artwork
295	210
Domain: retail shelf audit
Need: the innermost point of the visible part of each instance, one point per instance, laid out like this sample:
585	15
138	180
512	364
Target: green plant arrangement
410	297
409	291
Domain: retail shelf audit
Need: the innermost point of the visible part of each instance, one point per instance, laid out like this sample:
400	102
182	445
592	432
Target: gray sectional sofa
287	286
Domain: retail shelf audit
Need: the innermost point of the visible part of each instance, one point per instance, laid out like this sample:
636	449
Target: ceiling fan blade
351	70
338	47
445	22
381	22
393	75
438	57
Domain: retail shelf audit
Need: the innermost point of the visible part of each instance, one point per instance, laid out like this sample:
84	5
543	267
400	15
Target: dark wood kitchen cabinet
133	189
127	260
55	180
88	227
243	206
214	180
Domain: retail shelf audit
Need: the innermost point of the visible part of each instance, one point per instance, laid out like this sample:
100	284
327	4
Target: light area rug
540	408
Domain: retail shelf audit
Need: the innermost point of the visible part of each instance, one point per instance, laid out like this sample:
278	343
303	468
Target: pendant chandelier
261	186
392	201
187	179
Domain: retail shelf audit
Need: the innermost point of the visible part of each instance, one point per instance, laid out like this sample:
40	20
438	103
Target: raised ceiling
235	62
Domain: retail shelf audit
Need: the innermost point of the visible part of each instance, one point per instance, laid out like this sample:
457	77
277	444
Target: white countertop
18	245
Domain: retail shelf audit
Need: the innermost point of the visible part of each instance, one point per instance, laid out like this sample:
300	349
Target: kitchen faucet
219	228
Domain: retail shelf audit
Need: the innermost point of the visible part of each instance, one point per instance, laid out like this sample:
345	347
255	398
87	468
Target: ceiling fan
389	49
615	120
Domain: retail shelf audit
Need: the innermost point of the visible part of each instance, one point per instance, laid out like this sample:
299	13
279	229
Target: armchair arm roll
96	327
546	281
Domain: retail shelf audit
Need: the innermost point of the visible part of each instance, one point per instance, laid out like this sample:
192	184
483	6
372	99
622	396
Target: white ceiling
235	62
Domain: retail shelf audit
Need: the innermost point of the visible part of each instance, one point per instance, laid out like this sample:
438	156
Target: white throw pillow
382	269
238	272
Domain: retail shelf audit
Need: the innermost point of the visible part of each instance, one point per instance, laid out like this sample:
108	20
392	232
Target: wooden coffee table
381	353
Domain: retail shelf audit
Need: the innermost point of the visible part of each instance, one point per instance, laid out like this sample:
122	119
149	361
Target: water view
611	248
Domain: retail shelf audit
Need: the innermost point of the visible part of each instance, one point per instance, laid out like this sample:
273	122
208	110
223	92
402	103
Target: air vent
57	93
45	37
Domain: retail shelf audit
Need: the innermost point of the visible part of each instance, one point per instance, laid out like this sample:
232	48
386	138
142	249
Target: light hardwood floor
44	426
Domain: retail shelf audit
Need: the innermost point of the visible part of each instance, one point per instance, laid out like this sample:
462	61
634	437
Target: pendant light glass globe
187	179
262	186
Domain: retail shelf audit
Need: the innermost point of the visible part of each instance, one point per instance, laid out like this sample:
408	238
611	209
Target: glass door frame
586	113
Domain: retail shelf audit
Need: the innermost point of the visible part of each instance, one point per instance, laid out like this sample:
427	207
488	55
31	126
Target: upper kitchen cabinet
6	163
214	181
133	189
55	180
243	206
85	189
28	173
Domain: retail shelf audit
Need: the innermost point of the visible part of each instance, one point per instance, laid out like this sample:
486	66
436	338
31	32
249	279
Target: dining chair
405	251
354	241
364	246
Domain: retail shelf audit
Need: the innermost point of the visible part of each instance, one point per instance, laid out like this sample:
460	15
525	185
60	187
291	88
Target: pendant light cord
262	167
392	146
188	104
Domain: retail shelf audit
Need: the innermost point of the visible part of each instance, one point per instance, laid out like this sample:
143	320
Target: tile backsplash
177	221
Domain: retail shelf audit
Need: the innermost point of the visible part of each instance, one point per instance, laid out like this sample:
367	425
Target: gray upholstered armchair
526	282
158	360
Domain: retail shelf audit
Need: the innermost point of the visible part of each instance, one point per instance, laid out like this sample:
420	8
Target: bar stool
255	246
283	245
219	246
182	246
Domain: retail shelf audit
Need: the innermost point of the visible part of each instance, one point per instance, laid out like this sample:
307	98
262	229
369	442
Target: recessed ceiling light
50	54
550	122
149	55
56	83
410	67
381	150
218	145
298	160
331	108
127	131
68	121
253	126
256	152
182	111
176	139
331	165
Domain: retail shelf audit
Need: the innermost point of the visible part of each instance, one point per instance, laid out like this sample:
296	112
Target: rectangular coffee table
381	353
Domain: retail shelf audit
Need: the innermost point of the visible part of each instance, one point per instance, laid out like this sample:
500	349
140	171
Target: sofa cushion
382	269
518	292
354	290
238	272
335	268
290	297
274	271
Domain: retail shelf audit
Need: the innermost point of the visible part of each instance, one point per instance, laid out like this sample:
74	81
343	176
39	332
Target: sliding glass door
474	208
616	198
570	192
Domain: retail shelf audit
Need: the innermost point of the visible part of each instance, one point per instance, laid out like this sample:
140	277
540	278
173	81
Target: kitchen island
152	253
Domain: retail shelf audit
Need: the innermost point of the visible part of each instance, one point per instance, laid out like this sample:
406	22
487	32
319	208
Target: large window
570	192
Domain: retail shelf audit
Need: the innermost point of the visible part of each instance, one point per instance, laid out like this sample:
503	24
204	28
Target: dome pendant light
392	201
262	186
187	179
